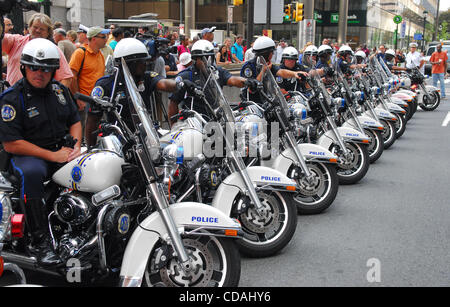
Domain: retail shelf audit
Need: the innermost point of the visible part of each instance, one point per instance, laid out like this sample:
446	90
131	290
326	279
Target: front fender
348	135
366	122
383	114
259	175
188	215
431	88
311	153
399	101
394	108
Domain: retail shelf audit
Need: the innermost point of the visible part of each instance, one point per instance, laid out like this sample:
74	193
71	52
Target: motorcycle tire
353	171
267	235
326	184
376	146
389	133
216	260
431	106
400	125
413	105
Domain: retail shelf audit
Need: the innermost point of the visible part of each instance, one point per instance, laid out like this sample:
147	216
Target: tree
443	31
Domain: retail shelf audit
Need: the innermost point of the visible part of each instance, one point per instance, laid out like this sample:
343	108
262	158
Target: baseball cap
185	58
82	28
94	31
208	30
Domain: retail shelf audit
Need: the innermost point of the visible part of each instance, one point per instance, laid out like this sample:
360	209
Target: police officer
389	56
289	61
203	54
136	55
324	53
360	57
345	60
37	113
264	47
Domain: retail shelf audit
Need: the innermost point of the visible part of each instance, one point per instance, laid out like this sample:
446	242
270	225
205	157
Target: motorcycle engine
73	208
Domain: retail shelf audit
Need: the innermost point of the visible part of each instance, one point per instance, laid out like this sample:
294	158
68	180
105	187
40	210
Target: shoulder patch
153	74
98	92
279	79
8	113
248	72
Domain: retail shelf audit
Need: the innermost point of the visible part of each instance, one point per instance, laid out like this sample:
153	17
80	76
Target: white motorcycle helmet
345	50
40	52
311	50
289	53
263	44
324	50
202	48
131	50
389	55
360	56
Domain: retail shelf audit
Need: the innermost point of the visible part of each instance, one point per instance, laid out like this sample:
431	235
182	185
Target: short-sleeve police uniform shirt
250	71
40	116
292	84
193	75
104	87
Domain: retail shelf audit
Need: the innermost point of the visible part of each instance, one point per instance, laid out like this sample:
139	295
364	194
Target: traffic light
287	12
238	2
298	11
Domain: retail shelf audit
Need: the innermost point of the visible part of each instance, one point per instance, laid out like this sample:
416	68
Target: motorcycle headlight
5	217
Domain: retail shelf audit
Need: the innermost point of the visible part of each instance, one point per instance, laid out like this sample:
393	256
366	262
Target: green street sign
397	19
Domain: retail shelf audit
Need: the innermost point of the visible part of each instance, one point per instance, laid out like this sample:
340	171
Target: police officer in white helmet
136	56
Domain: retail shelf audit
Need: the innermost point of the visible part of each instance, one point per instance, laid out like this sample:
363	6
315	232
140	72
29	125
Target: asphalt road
390	229
396	219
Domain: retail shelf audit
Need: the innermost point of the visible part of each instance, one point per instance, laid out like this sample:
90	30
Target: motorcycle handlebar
93	100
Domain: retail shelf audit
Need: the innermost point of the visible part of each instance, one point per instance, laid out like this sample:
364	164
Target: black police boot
38	225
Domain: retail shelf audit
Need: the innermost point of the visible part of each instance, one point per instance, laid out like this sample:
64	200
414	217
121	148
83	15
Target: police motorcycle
347	143
313	167
389	113
349	113
428	96
110	215
392	84
215	173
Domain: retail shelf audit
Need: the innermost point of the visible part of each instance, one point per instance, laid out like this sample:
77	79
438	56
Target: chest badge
8	113
32	112
60	94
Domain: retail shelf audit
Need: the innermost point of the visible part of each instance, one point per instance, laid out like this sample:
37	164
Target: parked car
429	52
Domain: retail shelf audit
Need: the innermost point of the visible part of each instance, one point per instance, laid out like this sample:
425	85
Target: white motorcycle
109	211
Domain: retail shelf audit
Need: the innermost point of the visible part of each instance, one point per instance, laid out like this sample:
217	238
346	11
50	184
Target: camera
6	6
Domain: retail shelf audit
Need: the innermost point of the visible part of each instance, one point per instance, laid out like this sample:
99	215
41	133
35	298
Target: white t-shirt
249	55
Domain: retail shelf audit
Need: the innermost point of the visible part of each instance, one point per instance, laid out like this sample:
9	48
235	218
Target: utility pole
436	23
307	26
250	14
342	25
189	16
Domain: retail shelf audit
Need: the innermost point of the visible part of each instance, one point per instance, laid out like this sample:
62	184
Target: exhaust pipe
25	262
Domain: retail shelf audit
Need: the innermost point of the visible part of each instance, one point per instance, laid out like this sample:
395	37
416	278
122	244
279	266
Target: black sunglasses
43	69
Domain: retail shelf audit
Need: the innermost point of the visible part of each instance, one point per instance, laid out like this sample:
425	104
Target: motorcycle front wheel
352	169
389	133
215	263
427	105
400	125
316	196
270	232
376	146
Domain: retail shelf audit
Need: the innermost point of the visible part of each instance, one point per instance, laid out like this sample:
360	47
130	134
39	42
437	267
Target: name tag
32	112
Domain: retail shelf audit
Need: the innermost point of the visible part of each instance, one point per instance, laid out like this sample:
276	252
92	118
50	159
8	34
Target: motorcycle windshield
340	78
152	140
271	86
213	91
385	68
321	87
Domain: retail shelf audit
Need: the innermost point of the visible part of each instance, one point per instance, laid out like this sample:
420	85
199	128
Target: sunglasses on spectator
43	69
102	37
